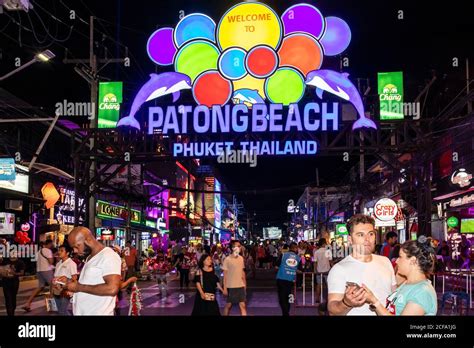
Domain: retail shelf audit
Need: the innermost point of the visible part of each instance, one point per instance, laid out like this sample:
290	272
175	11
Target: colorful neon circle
196	57
303	18
286	86
160	46
337	36
232	63
261	61
247	25
302	52
210	88
194	26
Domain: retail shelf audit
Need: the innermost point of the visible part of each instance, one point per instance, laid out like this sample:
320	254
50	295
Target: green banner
110	97
390	90
107	210
341	229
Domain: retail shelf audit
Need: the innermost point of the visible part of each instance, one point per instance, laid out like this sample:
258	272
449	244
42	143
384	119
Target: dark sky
428	38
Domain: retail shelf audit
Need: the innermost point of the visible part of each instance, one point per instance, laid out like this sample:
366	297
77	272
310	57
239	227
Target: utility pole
90	75
469	103
188	204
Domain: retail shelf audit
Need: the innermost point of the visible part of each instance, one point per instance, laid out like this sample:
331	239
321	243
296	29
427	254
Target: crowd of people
386	279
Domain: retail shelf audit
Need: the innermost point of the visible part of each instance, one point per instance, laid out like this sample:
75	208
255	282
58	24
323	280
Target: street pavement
262	299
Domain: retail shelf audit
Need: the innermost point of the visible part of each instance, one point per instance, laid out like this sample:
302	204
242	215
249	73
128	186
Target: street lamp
40	57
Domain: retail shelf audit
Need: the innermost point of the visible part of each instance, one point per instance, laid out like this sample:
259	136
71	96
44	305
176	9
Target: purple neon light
303	18
337	36
160	46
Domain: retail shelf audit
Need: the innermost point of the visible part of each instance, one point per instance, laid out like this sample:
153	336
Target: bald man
99	282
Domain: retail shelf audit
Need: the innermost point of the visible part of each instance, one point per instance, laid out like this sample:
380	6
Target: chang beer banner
110	97
390	90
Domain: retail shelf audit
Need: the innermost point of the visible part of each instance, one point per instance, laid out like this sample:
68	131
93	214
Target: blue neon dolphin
246	95
157	86
340	85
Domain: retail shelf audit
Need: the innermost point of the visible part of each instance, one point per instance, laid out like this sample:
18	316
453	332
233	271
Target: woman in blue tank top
416	296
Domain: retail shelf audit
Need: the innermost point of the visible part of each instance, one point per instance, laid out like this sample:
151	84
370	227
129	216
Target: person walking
64	268
207	283
416	296
11	281
131	257
235	283
183	265
322	259
44	271
162	267
287	265
261	255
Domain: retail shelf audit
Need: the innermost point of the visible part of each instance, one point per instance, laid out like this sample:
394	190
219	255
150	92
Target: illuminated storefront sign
7	169
64	210
20	183
247	73
461	178
468	199
151	224
110	97
390	90
341	229
217	204
452	222
112	211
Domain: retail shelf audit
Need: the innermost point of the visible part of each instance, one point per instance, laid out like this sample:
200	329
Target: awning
453	194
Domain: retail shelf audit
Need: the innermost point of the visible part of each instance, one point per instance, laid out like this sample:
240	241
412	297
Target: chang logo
109	102
110	98
291	262
390	92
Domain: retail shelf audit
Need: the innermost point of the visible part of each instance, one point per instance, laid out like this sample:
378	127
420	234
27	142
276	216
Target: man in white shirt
322	258
100	279
346	296
44	271
64	268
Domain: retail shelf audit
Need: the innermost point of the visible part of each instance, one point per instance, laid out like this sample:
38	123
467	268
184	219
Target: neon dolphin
339	84
248	96
157	86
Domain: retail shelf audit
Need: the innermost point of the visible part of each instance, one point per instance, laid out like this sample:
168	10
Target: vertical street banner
110	98
390	90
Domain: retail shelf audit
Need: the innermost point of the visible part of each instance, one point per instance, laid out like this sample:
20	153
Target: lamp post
40	57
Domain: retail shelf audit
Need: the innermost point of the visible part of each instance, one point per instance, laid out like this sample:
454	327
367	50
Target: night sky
426	40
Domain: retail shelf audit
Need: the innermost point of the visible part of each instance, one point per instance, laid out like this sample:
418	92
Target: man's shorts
318	278
45	278
236	295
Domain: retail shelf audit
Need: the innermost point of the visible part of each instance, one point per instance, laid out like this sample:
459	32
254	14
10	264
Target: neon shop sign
247	73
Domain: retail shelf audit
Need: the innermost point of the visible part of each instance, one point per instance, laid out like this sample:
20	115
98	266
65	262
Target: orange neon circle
301	52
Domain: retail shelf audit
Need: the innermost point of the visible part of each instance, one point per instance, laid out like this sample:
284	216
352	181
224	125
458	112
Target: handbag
207	295
50	303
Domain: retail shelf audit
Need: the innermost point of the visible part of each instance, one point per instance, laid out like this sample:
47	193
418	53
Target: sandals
26	309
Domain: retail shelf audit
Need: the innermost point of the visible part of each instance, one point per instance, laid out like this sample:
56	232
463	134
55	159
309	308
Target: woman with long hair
415	296
207	284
